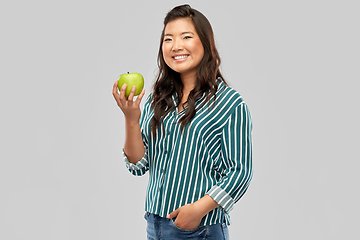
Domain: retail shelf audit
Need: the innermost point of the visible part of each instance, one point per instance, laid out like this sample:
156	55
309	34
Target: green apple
131	79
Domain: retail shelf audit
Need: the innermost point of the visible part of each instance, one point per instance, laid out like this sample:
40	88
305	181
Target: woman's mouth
180	57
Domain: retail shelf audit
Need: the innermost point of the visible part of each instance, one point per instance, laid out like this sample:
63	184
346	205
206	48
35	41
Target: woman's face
182	48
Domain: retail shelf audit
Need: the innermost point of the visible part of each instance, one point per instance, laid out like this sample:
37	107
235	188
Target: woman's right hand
128	106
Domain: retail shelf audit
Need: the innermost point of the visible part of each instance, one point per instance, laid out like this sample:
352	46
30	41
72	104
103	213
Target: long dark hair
168	81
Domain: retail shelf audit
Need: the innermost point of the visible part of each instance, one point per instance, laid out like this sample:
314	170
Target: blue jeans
165	229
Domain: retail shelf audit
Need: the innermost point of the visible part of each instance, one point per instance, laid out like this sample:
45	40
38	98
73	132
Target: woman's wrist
205	205
129	122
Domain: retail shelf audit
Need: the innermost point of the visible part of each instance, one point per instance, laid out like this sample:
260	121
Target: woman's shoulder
148	102
229	93
149	97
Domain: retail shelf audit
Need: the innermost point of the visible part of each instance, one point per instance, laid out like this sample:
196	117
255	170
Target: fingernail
168	216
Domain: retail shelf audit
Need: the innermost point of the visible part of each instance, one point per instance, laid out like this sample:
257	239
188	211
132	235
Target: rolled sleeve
222	198
236	164
139	168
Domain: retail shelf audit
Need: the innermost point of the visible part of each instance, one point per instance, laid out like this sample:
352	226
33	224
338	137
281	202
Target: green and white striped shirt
212	156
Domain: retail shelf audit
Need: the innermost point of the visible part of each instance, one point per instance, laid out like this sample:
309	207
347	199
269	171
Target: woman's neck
189	82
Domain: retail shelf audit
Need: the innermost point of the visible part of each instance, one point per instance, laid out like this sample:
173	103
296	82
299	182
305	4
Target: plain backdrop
62	176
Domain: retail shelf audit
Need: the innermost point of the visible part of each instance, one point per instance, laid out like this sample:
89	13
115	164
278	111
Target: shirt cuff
138	167
222	198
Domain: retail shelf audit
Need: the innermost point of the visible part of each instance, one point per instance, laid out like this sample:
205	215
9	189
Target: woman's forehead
179	26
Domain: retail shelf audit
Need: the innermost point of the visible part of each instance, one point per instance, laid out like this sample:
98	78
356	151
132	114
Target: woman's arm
133	146
236	149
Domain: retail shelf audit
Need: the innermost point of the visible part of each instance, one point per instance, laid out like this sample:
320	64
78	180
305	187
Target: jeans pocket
185	230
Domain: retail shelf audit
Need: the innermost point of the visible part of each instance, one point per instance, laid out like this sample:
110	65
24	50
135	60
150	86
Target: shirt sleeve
138	169
236	164
142	166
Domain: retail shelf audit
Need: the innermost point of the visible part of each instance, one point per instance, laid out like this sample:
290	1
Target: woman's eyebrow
169	34
187	33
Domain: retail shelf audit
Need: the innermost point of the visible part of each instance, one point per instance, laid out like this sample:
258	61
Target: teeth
180	57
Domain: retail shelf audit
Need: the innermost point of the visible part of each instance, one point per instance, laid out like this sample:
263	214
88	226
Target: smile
180	57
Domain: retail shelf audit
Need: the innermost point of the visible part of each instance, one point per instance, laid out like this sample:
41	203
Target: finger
122	91
122	98
141	95
132	93
173	214
116	94
115	87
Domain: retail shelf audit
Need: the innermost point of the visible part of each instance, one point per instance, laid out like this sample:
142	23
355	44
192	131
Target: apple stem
128	72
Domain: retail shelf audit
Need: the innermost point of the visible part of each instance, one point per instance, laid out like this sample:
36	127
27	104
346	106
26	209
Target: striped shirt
213	155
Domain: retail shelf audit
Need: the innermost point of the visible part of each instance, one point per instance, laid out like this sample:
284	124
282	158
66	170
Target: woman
193	136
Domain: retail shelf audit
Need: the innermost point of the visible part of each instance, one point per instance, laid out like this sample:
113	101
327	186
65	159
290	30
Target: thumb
173	214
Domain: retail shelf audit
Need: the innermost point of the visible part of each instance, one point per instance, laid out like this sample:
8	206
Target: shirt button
168	132
165	152
162	170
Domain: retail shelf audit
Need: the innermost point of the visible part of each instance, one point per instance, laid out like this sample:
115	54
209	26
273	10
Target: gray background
62	176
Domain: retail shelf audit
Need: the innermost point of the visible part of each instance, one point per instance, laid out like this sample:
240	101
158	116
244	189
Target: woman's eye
187	37
167	39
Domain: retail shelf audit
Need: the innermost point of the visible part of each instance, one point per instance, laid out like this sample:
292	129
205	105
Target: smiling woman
193	136
193	25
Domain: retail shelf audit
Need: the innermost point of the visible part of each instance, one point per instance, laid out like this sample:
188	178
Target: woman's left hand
187	217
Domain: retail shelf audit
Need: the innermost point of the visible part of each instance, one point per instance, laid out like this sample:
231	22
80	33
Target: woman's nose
177	45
